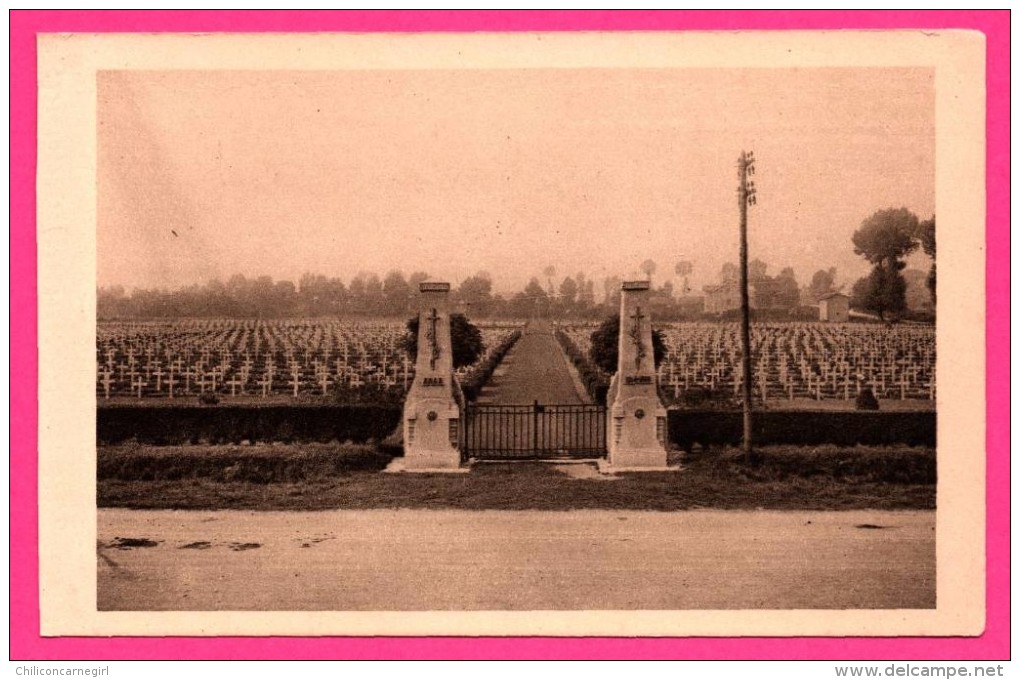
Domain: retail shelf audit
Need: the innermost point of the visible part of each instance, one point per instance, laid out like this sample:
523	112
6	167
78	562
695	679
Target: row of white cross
159	382
138	367
815	360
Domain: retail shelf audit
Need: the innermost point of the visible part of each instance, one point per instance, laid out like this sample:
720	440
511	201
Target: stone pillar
636	439
432	408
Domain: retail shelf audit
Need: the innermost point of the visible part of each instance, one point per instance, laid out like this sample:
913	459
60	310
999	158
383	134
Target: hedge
256	465
823	464
169	425
174	425
595	381
804	428
476	377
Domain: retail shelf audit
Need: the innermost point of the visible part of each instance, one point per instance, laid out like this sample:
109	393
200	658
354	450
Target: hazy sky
508	171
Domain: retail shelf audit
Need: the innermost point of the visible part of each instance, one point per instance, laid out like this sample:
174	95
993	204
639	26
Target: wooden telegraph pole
746	198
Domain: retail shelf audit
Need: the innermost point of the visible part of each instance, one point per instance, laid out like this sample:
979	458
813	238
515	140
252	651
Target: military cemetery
460	362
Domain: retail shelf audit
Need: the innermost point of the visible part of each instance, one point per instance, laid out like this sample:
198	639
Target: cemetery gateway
246	363
441	431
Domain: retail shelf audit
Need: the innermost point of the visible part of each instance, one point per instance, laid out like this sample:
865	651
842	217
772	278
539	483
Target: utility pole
746	197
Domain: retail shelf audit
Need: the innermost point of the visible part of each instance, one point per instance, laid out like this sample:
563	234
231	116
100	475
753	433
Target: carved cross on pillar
433	318
635	335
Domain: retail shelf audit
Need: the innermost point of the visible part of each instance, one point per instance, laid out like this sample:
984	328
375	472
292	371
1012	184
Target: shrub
464	335
605	347
866	400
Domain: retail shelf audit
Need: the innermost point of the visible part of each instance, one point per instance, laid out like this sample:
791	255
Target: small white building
834	307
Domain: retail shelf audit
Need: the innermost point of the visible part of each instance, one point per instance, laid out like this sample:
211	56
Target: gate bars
513	432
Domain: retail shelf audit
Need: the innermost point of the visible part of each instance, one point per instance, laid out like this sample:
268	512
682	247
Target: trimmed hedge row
168	425
858	464
256	465
472	383
174	425
804	428
595	381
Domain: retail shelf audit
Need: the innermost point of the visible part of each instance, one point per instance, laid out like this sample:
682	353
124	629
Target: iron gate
510	432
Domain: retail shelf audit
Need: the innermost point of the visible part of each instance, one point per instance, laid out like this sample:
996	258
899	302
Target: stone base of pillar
431	436
636	440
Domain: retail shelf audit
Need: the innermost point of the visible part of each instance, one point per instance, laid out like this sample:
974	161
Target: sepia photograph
489	331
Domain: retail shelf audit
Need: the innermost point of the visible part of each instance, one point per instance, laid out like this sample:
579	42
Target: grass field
318	477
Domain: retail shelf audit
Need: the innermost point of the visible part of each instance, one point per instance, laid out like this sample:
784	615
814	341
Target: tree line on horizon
884	240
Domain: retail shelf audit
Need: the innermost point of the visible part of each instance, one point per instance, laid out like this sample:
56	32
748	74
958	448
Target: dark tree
780	292
786	292
884	239
586	298
684	268
319	296
356	294
756	271
605	349
415	280
730	273
822	283
860	292
887	235
648	267
918	296
464	335
568	295
375	302
533	301
881	292
585	292
475	293
611	289
550	272
926	235
396	293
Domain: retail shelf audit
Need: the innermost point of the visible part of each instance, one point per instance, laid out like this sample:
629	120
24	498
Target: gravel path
530	560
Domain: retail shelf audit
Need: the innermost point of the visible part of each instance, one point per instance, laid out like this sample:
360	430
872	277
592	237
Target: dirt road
464	560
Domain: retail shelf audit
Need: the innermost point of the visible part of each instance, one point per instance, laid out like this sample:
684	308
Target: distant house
834	307
721	298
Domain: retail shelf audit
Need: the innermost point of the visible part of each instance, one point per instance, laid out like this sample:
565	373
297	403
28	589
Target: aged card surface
169	161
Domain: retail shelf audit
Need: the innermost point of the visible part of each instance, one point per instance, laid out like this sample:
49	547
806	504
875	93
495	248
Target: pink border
25	642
